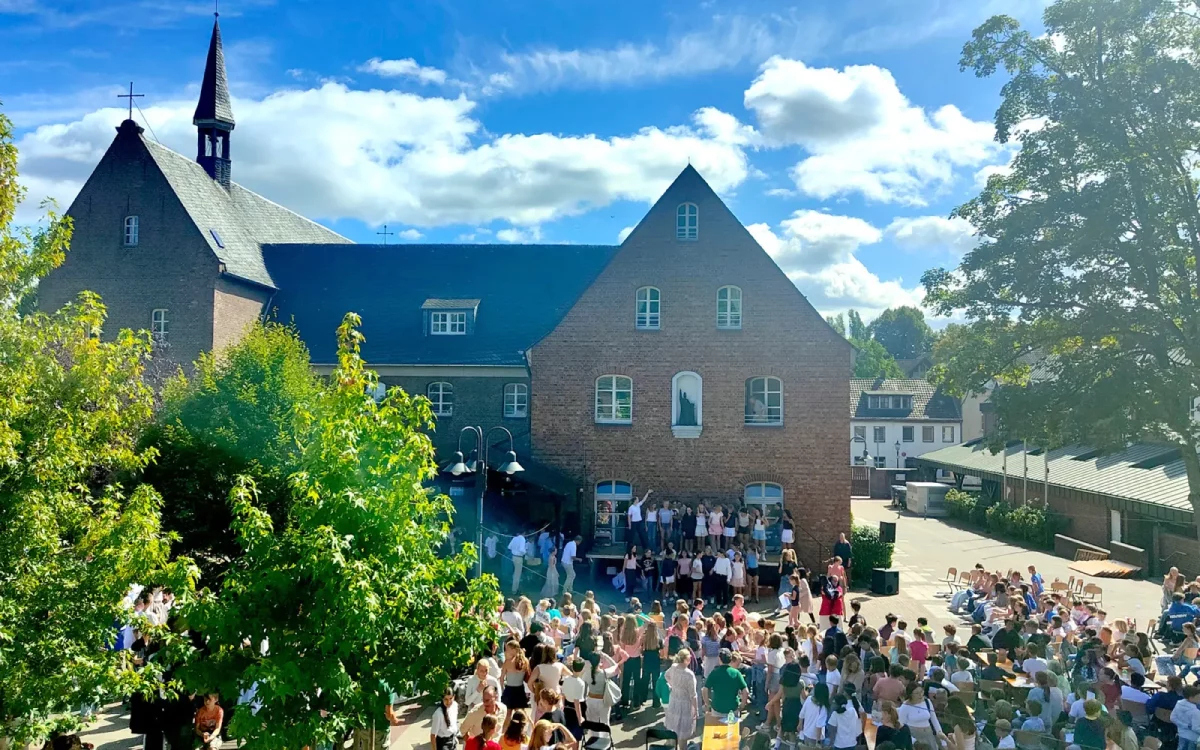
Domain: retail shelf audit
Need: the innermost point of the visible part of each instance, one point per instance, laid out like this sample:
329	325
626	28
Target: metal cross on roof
385	234
130	96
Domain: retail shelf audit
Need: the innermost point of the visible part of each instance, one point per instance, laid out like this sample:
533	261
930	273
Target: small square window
907	434
947	434
881	462
448	323
516	400
927	434
860	431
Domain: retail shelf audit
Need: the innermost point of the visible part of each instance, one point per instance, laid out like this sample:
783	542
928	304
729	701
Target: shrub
961	505
1027	523
869	552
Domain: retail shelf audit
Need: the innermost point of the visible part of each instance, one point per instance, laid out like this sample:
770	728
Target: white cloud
334	152
933	233
412	235
727	42
406	68
515	234
861	134
816	251
623	234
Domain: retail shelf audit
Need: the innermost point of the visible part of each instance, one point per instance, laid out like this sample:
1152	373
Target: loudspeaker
887	532
885	581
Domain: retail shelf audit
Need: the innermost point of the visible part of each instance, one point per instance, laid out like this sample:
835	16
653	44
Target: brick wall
1087	522
478	402
171	267
235	307
781	336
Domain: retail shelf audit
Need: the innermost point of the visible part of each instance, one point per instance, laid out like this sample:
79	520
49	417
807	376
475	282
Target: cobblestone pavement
925	548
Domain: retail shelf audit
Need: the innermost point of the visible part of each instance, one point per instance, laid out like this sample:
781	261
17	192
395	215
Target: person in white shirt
512	618
1133	691
833	677
1032	665
1186	717
443	731
637	526
476	684
845	722
814	714
570	550
1004	735
516	548
722	570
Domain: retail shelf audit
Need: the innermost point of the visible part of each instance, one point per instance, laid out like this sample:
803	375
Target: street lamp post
898	454
458	467
857	439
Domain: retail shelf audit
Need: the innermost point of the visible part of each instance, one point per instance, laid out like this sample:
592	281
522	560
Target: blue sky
841	133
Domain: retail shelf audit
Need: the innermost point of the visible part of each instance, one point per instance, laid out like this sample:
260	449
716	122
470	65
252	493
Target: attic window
899	402
448	323
687	222
217	238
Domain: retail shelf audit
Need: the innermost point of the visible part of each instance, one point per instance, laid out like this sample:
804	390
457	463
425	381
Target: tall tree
349	591
235	416
903	332
871	360
837	322
855	326
1091	243
73	537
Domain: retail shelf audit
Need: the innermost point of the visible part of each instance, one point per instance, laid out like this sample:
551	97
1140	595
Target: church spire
214	116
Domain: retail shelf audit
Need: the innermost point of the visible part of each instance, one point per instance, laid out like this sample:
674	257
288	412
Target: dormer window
687	222
449	317
898	402
131	231
448	323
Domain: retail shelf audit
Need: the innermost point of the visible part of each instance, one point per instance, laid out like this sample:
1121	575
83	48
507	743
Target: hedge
869	552
1027	523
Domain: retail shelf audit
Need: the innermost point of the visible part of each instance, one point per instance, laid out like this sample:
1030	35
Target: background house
894	421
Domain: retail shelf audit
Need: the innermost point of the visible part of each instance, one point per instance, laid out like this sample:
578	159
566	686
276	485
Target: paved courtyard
925	548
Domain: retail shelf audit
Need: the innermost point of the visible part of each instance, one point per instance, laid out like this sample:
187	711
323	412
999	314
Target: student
752	573
668	569
758	533
1004	736
737	578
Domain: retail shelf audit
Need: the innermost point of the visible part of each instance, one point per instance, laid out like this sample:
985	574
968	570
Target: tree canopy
74	531
1083	296
903	332
873	361
856	329
347	590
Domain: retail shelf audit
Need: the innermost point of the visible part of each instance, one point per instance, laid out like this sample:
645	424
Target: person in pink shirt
739	610
918	650
836	568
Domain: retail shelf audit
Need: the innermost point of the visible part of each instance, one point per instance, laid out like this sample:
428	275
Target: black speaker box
885	581
887	532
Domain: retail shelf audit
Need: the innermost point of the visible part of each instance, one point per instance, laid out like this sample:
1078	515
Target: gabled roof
929	403
213	105
244	220
450	304
523	291
1119	475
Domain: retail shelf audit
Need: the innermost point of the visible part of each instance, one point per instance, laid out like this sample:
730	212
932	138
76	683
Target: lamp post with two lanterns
458	467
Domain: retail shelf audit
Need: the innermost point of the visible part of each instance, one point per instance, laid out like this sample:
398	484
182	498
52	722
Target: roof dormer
449	317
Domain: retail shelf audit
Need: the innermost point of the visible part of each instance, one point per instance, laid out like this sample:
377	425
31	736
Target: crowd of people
1031	667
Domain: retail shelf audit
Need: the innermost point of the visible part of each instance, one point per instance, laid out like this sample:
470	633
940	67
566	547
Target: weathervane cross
385	234
130	96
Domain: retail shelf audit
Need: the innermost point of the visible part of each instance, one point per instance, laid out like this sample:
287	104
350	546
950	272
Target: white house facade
894	421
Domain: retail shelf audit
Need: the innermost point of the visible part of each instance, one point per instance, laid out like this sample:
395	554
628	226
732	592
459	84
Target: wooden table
719	735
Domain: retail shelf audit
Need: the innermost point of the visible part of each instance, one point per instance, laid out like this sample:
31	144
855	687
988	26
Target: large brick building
683	360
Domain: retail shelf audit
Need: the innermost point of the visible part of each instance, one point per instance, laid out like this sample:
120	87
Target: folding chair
1094	593
597	736
951	581
1059	587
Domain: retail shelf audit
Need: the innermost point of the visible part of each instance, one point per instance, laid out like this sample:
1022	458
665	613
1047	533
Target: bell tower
214	116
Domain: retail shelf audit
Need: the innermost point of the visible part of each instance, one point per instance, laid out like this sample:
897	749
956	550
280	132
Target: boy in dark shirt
649	570
668	568
977	642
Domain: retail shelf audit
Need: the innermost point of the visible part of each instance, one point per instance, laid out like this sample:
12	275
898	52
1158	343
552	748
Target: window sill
686	431
646	330
516	416
728	328
603	423
757	425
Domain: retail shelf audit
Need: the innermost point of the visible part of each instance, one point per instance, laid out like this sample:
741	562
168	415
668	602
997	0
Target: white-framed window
612	500
441	396
757	493
908	433
764	401
614	399
889	402
881	462
448	323
729	307
159	324
687	222
649	306
927	434
947	434
516	400
860	432
131	231
880	435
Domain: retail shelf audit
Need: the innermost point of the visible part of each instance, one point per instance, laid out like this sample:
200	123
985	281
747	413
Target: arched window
687	222
159	324
758	492
687	405
649	304
767	499
614	399
441	396
131	231
764	401
516	400
729	307
611	506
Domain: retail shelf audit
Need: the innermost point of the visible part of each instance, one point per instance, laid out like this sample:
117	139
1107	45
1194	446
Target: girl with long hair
805	603
683	706
788	534
443	732
631	668
814	714
515	733
716	528
652	653
514	674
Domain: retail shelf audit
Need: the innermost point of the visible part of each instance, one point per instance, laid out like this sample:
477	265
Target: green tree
235	416
903	332
855	326
72	537
837	322
1084	296
349	592
873	361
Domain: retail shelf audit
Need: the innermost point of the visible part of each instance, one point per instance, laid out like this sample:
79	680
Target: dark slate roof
929	403
450	304
523	292
244	220
214	89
